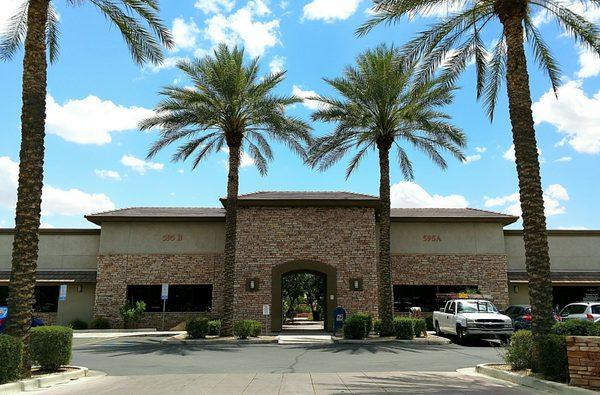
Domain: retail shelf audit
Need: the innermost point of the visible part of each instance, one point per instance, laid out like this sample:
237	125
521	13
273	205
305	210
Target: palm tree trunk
384	265
230	241
537	259
31	173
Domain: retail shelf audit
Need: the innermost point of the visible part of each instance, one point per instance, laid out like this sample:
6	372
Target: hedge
51	346
367	320
355	327
377	327
11	355
256	328
99	323
197	328
552	359
519	353
78	324
576	328
419	327
245	328
214	327
404	328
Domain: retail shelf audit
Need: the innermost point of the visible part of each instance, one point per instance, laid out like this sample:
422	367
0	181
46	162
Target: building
136	250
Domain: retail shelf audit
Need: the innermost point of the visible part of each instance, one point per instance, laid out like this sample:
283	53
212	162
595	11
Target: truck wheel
438	332
460	335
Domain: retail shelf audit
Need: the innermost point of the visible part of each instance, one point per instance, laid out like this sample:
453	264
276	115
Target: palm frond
14	35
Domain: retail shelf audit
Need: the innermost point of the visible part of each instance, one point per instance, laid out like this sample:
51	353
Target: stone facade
584	361
341	237
488	272
116	272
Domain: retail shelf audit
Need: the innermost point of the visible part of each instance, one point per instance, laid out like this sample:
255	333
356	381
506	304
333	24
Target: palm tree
383	107
228	106
454	42
37	23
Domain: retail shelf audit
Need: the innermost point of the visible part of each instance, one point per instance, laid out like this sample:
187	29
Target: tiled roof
83	276
306	195
159	213
449	215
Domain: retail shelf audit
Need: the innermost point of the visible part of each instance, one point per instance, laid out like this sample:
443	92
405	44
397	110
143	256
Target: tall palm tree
231	106
36	22
382	108
454	42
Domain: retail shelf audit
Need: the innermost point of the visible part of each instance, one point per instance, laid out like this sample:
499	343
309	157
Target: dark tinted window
596	309
46	298
182	298
574	309
3	296
511	310
424	296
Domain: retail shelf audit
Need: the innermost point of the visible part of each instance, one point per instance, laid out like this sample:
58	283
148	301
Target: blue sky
95	156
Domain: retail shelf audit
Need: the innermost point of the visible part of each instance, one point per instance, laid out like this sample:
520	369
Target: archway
280	271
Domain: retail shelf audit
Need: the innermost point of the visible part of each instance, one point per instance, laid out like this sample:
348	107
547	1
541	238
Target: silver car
589	311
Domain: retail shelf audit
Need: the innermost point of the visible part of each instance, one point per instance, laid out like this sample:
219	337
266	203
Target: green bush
368	321
355	327
132	315
51	346
574	328
243	329
197	328
377	327
256	329
552	359
214	327
100	323
419	327
11	354
78	324
519	353
404	328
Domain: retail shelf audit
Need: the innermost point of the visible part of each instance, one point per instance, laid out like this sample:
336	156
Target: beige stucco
162	238
521	296
568	252
58	251
79	305
454	238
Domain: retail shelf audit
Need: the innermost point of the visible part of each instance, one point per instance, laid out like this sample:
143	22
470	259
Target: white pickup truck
472	318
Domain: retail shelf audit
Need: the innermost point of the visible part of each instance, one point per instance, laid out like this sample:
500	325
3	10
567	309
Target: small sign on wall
164	294
62	293
266	309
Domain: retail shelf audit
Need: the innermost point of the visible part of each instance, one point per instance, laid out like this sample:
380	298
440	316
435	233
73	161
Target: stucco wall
569	251
59	250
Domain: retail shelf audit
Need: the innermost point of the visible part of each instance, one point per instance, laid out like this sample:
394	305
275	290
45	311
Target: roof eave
98	220
373	203
503	220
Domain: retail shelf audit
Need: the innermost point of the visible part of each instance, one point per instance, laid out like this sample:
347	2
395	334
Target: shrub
100	323
51	346
214	327
355	327
519	353
595	330
377	327
574	328
256	329
132	315
367	320
197	328
78	324
11	354
419	327
243	329
552	359
404	328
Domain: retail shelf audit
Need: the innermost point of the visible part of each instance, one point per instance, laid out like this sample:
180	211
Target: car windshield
574	309
476	307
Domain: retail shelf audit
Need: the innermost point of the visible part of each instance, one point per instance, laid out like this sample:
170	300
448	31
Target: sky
96	155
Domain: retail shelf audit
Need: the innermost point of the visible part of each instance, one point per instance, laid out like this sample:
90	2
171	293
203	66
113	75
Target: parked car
472	318
581	311
4	316
520	316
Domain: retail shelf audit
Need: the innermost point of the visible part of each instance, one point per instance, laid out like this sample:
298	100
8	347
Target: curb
45	381
532	382
208	342
426	342
114	330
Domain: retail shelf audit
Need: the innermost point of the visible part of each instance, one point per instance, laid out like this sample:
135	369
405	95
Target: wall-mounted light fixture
79	288
356	284
516	289
252	284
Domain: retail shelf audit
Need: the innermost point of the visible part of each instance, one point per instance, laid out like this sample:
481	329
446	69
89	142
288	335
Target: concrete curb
111	334
114	330
178	339
45	381
532	382
437	341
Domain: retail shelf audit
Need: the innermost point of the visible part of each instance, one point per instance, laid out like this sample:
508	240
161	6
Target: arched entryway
302	266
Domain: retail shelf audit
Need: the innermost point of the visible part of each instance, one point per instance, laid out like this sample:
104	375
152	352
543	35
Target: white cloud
310	104
472	158
91	120
245	159
167	63
480	150
55	201
140	166
574	114
330	10
46	225
108	174
180	171
412	195
589	63
242	26
277	64
443	9
185	34
214	6
554	197
564	159
509	154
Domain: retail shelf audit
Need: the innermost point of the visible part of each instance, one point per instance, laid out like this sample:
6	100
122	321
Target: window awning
58	276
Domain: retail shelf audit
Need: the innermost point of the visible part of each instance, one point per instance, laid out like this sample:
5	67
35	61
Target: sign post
266	314
62	293
164	295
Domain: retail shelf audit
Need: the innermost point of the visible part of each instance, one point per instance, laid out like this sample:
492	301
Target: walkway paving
292	383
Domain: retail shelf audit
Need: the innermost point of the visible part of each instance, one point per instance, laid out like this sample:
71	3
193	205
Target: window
574	309
46	298
182	298
3	296
450	308
424	296
476	307
596	309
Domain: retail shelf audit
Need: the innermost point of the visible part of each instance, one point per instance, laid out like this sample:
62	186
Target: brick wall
584	361
488	272
47	318
342	237
116	272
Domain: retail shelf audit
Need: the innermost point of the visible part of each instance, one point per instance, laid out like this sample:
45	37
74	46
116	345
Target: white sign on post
266	309
62	293
164	295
